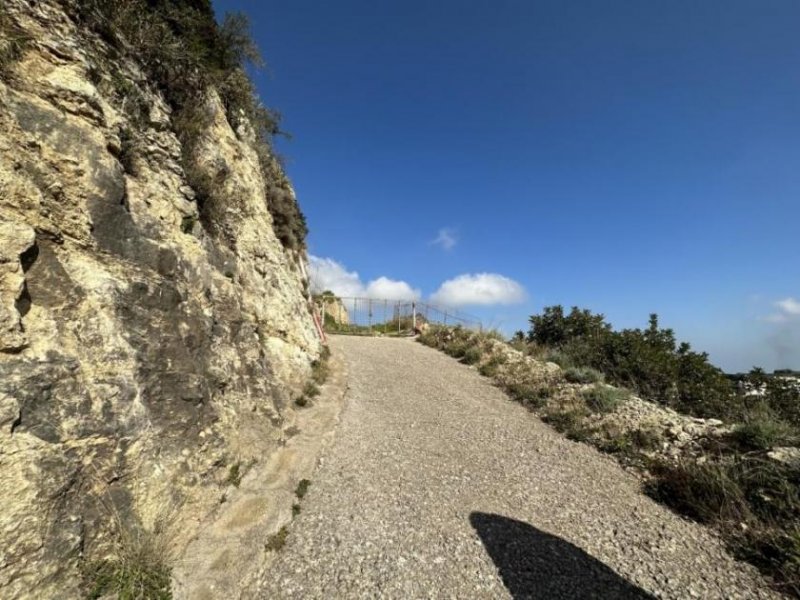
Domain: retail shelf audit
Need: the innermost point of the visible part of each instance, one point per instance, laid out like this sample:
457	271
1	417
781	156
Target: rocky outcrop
144	348
332	309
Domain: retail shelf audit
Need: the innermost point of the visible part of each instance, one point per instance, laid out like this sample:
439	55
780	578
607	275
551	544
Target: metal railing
371	316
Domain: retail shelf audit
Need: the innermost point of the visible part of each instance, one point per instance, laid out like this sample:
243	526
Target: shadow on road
534	564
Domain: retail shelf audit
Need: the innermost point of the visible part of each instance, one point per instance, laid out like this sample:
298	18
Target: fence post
413	317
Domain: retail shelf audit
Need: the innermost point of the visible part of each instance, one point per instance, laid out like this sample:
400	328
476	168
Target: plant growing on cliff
235	474
302	488
137	571
184	53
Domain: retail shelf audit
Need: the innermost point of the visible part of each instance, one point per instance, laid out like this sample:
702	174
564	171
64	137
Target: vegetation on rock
137	571
12	41
186	53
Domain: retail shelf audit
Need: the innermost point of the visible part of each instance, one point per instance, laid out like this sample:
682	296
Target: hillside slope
149	343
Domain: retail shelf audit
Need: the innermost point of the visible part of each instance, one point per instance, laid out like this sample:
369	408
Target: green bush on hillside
583	375
648	361
604	399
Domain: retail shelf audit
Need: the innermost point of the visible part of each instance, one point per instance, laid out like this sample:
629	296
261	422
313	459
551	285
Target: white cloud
383	287
446	239
328	274
788	309
479	289
789	306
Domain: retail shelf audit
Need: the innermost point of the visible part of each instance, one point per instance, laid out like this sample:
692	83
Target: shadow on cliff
534	564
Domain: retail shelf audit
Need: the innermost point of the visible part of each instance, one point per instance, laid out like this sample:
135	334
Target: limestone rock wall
142	351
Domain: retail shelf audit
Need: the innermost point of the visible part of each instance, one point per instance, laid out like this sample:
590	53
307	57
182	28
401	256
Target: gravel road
438	486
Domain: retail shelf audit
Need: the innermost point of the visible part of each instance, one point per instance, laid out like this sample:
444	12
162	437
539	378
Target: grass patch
137	571
754	502
295	509
583	375
604	399
302	488
277	540
707	493
319	368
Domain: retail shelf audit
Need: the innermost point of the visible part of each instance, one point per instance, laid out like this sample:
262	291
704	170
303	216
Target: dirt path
436	485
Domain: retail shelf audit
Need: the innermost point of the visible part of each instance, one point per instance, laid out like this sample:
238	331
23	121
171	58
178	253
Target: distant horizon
627	159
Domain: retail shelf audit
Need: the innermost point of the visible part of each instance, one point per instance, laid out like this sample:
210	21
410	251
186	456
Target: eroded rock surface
142	351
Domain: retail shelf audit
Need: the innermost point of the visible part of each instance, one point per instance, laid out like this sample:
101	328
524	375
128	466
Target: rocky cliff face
145	348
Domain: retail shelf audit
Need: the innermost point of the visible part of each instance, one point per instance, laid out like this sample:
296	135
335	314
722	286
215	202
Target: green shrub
457	349
493	334
491	366
755	503
277	540
649	361
558	357
776	551
583	375
763	431
570	423
604	399
532	395
616	444
705	492
235	474
646	439
471	355
783	398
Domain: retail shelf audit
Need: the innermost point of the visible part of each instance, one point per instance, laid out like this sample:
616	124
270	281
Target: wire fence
371	316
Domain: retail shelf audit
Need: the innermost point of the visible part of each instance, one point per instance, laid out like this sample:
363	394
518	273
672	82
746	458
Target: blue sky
628	157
